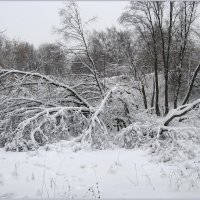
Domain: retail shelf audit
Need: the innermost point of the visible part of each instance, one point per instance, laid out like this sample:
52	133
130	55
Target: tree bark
144	97
153	94
191	85
157	87
177	89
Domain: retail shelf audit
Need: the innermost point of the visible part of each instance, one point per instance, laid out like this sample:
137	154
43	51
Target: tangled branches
19	79
36	109
26	129
30	117
167	143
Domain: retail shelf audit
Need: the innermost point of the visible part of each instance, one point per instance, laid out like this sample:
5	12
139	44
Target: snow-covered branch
37	125
180	111
96	125
4	73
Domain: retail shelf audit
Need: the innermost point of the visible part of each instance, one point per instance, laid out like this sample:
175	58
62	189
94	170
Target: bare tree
140	15
158	11
186	18
75	38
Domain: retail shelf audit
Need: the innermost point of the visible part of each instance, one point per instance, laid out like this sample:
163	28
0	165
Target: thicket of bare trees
166	31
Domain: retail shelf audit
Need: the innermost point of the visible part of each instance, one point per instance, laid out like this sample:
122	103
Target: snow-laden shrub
118	112
45	125
174	144
20	145
136	135
177	144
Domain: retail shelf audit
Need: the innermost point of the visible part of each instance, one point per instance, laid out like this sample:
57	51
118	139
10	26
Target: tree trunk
166	70
157	88
166	92
144	97
153	94
177	90
191	85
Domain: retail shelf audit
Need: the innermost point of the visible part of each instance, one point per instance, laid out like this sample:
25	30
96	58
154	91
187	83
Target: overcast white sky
32	21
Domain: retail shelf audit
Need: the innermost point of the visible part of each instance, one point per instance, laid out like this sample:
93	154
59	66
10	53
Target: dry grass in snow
55	171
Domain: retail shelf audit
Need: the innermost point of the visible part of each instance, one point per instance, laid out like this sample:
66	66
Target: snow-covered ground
59	172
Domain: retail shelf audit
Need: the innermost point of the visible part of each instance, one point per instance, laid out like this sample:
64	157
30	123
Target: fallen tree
28	120
30	75
178	112
35	126
29	117
165	142
30	127
96	129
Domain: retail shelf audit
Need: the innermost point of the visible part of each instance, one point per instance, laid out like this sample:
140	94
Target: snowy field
58	172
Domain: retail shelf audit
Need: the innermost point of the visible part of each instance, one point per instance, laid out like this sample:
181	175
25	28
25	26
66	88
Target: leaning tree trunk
191	84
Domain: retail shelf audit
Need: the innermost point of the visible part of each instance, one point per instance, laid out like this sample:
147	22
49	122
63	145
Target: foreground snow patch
58	172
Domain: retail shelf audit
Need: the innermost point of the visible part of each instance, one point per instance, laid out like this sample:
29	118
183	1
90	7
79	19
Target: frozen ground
59	172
